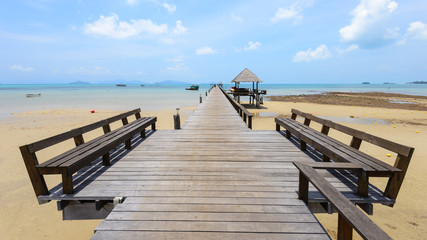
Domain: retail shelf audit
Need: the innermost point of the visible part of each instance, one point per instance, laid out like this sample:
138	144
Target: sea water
155	97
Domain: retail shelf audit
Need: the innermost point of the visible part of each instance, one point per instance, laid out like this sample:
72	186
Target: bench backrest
381	142
78	132
404	153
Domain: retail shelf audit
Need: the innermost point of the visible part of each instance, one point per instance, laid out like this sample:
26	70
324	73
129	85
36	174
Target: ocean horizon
156	97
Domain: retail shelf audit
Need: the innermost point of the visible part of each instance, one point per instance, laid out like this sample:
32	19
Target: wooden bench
349	216
84	153
341	152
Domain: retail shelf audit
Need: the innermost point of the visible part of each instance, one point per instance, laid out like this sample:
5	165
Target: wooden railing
245	114
349	216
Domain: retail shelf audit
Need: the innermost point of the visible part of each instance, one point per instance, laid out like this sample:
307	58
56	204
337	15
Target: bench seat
333	149
75	159
84	153
337	150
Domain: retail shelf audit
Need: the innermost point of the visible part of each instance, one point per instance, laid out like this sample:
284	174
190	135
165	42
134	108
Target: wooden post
37	180
303	145
176	122
363	184
325	129
294	116
345	230
138	115
303	188
355	142
395	182
153	126
307	121
143	133
78	140
125	121
206	94
128	144
288	134
106	159
106	128
244	117
67	183
200	98
250	122
277	127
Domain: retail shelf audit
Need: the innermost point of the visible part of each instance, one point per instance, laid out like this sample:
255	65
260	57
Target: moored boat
33	95
193	87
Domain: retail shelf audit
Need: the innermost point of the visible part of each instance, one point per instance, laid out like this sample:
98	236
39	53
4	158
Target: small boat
121	85
33	95
193	87
142	85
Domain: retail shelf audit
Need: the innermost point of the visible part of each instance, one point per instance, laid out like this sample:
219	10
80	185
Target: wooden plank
136	235
185	226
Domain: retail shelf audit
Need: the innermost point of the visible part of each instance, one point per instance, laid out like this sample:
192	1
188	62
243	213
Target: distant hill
170	82
418	82
79	83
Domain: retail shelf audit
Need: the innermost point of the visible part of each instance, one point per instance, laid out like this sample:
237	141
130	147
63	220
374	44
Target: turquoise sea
155	97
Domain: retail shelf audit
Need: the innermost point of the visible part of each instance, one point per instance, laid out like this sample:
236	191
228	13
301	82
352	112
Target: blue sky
295	41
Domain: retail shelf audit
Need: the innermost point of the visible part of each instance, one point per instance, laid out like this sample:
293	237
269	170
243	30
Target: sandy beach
22	218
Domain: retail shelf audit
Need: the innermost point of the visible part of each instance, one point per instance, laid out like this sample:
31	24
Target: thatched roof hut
246	76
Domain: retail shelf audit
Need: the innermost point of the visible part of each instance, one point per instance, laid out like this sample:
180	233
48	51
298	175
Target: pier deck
214	179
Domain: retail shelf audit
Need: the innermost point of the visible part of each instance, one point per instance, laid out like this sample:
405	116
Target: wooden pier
213	179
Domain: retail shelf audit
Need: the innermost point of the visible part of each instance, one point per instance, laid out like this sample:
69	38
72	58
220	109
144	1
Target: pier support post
176	122
200	98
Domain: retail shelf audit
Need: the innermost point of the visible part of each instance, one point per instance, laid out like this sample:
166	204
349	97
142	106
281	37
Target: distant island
388	83
366	83
79	83
418	82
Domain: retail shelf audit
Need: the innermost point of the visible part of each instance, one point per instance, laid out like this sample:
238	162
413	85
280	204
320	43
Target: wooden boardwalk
214	179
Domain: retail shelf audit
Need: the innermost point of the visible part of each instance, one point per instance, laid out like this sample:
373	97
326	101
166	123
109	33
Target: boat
33	95
193	87
121	85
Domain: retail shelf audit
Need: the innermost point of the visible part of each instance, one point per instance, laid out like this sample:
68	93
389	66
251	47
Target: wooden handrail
349	215
243	112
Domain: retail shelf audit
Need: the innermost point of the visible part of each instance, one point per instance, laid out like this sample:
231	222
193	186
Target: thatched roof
246	76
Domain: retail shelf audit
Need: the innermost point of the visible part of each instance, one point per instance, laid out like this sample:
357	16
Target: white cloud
111	27
322	52
252	46
287	13
132	2
417	30
292	12
21	68
167	40
370	25
179	28
97	70
205	51
169	7
351	48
